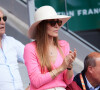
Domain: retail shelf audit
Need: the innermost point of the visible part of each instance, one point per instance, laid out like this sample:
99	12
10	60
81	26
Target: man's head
92	67
2	23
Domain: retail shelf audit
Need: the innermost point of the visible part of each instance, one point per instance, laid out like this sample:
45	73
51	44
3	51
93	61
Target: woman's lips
56	31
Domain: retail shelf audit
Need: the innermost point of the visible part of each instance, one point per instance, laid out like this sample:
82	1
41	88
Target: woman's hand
69	59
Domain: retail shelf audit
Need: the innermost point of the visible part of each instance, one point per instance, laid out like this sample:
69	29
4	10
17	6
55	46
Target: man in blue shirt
89	78
11	51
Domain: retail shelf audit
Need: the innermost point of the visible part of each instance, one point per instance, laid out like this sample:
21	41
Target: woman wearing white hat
48	60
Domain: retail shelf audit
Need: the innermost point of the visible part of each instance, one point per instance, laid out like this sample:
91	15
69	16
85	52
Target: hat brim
32	29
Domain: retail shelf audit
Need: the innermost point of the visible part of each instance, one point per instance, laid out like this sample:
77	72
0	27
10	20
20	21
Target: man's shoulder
76	84
10	38
78	81
77	78
73	86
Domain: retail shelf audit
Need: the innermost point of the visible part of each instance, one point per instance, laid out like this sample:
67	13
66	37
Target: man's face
96	71
2	24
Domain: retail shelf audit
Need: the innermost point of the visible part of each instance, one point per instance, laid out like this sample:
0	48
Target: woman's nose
56	25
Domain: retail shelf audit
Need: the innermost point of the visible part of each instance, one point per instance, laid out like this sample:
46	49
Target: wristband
69	68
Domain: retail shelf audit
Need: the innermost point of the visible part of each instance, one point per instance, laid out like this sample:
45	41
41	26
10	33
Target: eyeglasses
53	22
4	18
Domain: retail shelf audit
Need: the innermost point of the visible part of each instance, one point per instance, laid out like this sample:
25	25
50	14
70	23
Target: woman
48	60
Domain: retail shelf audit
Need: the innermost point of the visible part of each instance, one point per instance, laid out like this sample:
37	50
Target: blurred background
82	31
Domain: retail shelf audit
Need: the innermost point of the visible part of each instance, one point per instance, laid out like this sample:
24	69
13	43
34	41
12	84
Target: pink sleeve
65	47
66	80
36	78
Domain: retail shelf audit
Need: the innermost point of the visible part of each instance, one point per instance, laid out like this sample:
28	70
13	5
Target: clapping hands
68	60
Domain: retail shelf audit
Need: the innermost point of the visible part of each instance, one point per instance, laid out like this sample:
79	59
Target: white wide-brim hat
45	13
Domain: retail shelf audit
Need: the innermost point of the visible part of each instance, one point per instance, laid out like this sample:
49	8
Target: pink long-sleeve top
39	81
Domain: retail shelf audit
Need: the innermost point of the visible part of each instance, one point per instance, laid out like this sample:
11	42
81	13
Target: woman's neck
51	41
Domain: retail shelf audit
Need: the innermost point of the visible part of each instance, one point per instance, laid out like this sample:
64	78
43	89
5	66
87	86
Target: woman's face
53	26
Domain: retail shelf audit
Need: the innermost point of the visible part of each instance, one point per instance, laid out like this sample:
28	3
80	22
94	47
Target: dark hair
89	61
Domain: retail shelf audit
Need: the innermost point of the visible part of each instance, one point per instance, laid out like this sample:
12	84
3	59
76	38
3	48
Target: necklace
52	50
51	53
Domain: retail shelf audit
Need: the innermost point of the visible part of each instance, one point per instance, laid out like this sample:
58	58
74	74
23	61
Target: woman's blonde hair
42	45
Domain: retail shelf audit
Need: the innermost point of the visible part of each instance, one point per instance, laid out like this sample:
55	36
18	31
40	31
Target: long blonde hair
42	45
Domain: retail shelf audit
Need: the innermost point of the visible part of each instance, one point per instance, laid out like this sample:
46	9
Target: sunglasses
4	18
53	22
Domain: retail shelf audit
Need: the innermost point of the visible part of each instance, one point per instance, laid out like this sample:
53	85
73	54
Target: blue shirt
10	53
90	86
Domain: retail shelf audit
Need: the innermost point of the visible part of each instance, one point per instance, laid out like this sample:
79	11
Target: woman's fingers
72	55
75	52
69	58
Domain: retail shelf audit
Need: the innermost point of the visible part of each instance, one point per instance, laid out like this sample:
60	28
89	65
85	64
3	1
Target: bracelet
54	72
69	68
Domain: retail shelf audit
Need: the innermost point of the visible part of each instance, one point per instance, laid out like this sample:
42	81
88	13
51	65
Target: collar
4	35
90	86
